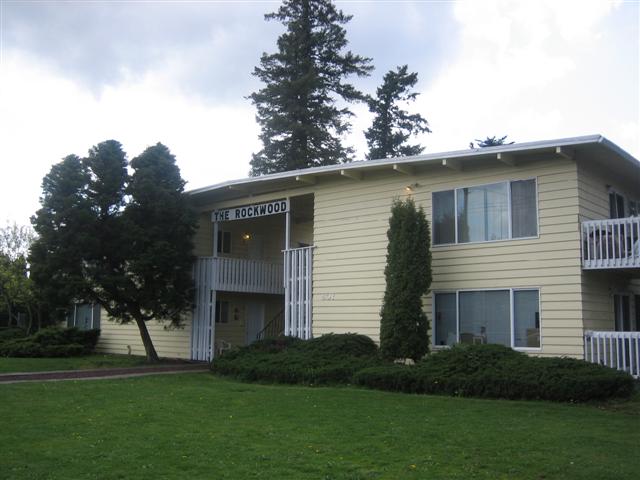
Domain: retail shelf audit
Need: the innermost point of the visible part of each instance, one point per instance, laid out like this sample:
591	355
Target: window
224	242
84	316
622	312
446	319
484	317
526	319
616	205
509	317
444	218
498	211
222	311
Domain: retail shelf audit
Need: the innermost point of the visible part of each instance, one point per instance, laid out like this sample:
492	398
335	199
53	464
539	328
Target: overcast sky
73	74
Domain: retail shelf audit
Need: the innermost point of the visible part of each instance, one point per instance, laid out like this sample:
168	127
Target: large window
507	317
498	211
84	316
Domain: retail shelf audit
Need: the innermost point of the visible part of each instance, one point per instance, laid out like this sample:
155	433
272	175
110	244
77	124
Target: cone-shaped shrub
404	325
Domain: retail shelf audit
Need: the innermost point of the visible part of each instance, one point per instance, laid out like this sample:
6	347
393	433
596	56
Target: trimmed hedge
488	371
52	342
330	359
494	371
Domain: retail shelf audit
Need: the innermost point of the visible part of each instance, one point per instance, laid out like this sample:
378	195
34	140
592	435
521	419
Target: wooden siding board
350	238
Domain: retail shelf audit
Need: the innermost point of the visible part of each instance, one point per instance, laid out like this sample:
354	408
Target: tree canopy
119	240
16	288
392	126
297	109
403	323
490	142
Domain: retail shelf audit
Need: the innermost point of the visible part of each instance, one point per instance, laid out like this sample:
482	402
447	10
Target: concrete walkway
102	373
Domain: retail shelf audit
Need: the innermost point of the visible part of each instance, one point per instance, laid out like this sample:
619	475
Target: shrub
9	333
330	359
52	342
346	344
403	323
493	371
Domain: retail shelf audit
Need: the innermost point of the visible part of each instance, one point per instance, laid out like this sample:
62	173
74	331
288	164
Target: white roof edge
513	148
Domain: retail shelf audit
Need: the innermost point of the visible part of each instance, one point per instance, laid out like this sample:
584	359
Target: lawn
200	426
9	365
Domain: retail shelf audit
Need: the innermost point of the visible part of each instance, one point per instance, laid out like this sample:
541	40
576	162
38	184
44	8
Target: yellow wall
350	220
169	342
350	238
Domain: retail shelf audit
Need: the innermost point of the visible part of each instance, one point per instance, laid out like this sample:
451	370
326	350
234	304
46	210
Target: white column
287	231
215	239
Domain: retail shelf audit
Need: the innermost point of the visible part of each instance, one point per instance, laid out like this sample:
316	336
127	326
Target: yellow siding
169	342
351	220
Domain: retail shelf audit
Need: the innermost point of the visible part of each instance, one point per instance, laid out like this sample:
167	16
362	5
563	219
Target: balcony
239	275
611	244
619	350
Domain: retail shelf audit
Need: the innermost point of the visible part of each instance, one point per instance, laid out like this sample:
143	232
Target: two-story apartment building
534	245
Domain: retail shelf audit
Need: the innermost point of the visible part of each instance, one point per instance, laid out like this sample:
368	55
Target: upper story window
224	242
498	211
621	207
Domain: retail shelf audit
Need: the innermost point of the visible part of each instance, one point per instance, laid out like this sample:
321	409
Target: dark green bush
331	359
52	342
349	344
493	371
9	333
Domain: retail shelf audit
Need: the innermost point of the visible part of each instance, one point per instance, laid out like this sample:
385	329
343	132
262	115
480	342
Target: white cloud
532	70
44	117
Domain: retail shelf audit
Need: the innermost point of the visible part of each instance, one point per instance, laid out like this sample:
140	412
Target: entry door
622	312
255	321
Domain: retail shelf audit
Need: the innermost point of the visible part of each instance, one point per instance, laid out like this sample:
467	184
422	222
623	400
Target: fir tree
124	242
404	325
490	142
297	109
392	126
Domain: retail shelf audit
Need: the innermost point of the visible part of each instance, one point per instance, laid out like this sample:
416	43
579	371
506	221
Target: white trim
489	153
511	291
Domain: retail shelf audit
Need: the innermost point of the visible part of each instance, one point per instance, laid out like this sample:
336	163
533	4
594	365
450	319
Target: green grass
200	426
9	364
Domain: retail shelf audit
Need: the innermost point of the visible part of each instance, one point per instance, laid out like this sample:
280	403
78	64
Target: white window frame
511	291
455	212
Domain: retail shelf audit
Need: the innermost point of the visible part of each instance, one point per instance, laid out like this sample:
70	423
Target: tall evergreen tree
490	142
392	126
403	324
298	109
124	242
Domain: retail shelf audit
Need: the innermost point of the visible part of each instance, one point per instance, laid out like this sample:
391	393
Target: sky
73	74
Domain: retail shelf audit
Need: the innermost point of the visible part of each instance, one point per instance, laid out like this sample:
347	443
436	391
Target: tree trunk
30	326
152	355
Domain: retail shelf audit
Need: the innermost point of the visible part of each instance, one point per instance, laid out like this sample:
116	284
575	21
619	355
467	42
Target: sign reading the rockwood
250	211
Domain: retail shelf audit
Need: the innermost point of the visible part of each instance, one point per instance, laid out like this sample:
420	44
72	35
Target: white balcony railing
609	244
619	350
240	275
